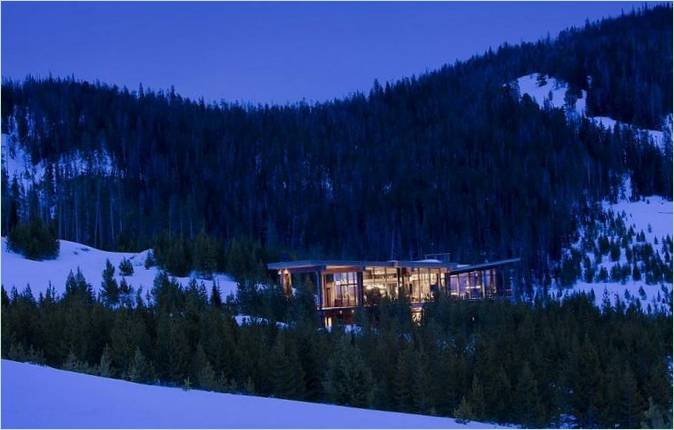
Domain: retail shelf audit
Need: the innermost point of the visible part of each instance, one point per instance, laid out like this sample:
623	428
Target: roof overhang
302	266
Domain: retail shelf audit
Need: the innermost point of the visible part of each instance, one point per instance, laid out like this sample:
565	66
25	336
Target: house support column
319	290
359	289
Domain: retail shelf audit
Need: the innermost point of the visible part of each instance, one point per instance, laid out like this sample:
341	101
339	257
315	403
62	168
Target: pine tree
287	378
173	349
632	405
584	375
140	369
77	288
303	304
109	288
348	379
202	373
35	240
125	267
528	409
421	398
476	399
207	378
216	298
105	365
205	254
402	381
464	412
655	417
126	293
71	362
636	273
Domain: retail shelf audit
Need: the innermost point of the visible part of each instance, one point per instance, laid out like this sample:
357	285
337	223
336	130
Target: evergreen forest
449	161
541	364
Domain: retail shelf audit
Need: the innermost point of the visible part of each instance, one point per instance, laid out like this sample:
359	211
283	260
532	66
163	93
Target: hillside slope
18	271
74	400
547	90
650	216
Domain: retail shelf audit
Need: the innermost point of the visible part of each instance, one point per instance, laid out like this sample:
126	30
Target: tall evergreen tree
109	288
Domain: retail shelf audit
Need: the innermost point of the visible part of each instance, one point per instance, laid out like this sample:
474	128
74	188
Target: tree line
540	364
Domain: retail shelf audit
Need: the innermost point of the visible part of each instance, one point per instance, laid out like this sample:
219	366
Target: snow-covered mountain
18	271
651	215
74	400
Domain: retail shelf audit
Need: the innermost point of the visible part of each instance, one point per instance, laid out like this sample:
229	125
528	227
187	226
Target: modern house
343	286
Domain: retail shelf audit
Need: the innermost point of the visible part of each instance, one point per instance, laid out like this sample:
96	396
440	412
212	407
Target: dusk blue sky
267	52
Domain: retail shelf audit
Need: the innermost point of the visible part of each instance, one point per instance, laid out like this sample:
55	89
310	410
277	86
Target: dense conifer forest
546	364
451	160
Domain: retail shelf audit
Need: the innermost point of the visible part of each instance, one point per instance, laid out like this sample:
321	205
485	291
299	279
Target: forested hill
450	160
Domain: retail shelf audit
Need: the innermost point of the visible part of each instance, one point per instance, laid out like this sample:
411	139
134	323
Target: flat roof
482	266
311	265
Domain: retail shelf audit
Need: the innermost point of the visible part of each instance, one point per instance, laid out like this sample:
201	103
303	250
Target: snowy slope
18	163
19	271
552	91
653	216
548	90
38	397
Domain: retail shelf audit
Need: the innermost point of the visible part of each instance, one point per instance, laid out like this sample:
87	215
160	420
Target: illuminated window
340	290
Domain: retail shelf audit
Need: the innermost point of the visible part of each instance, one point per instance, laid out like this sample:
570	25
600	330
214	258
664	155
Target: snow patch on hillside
43	397
18	271
17	162
651	216
654	297
545	89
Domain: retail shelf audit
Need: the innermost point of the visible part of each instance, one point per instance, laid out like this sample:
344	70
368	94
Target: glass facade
340	290
348	288
379	283
474	285
419	284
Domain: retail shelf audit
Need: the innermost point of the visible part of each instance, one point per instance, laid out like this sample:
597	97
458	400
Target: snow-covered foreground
552	91
18	271
39	397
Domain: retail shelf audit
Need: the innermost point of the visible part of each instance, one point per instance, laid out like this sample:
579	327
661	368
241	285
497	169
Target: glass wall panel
378	283
477	284
392	285
420	281
463	285
454	285
474	288
438	280
340	290
490	283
